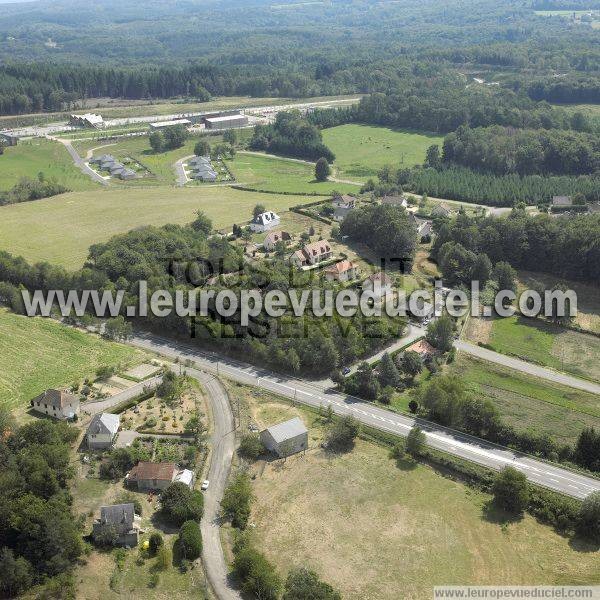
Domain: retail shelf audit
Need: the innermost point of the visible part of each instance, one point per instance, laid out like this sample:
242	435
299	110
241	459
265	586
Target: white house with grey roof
102	431
284	439
265	221
56	403
120	520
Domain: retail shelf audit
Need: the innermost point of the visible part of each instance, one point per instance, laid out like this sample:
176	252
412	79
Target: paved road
79	162
312	394
413	332
223	446
103	405
527	367
182	178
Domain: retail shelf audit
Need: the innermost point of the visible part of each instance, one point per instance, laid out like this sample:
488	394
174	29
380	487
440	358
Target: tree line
40	538
504	151
32	189
565	246
291	135
175	257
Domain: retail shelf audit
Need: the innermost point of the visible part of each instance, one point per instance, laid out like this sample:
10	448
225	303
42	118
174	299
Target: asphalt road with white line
314	394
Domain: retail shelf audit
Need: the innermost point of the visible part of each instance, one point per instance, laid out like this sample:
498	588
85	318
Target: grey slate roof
117	514
287	430
104	423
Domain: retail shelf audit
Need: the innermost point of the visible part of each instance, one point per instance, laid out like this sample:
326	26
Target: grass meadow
31	157
547	344
38	353
361	150
277	174
377	529
61	229
528	403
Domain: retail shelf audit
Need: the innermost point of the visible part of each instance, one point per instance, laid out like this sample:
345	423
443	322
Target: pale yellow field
61	229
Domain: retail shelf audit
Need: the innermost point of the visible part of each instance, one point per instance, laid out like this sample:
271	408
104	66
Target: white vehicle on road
205	485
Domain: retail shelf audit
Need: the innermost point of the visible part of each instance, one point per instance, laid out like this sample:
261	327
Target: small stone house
122	519
395	201
102	431
344	201
341	212
273	237
56	403
284	439
152	476
344	270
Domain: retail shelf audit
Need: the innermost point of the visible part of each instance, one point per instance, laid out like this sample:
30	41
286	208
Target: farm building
226	121
121	520
8	138
173	123
87	120
56	403
102	431
286	438
265	221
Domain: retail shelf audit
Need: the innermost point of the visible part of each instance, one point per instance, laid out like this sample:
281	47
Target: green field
160	164
361	150
528	403
36	354
277	174
61	229
549	345
31	157
413	527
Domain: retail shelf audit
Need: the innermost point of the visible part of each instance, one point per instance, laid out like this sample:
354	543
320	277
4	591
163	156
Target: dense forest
40	538
567	247
505	151
55	53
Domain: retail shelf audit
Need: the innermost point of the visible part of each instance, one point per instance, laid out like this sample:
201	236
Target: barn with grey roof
284	439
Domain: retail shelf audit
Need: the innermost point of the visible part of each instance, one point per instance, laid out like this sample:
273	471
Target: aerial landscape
299	300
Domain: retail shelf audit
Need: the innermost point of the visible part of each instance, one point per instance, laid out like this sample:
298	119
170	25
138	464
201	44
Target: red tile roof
163	471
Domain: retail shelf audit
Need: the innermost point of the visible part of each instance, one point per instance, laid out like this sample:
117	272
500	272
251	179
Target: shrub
235	504
155	541
511	490
251	447
180	504
342	434
256	574
415	442
589	516
190	540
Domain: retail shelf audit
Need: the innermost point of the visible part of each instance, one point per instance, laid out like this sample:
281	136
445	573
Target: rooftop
287	430
56	398
149	470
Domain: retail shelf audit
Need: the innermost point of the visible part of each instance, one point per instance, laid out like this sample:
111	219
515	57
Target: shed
286	438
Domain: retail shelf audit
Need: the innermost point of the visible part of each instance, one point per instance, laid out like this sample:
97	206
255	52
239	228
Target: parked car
345	371
204	485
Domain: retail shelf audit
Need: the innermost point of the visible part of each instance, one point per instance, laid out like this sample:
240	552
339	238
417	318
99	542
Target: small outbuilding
284	439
